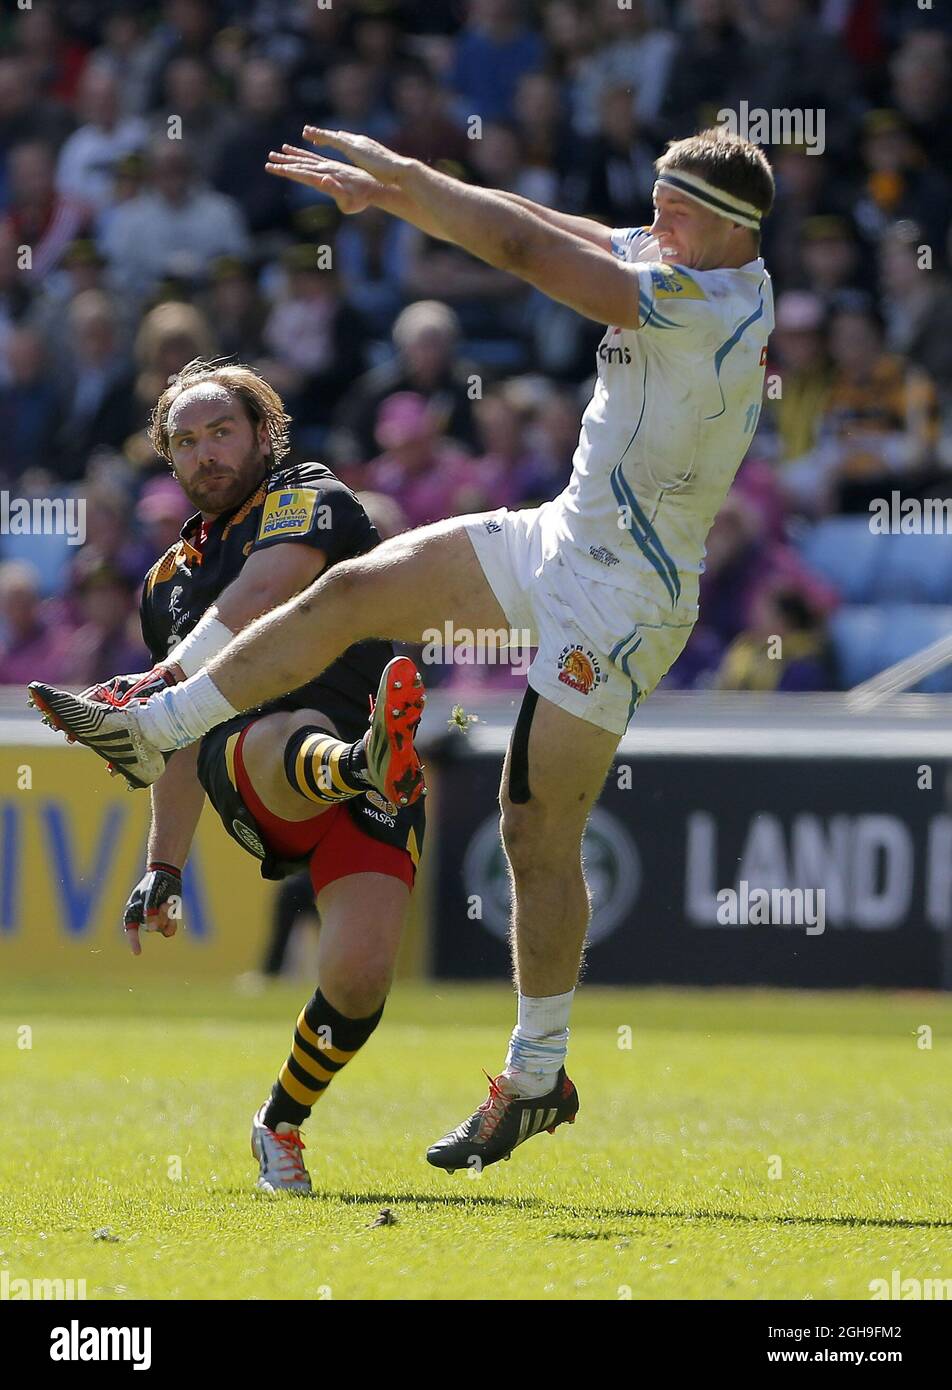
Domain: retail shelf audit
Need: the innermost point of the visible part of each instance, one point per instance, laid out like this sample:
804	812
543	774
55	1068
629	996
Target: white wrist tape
207	638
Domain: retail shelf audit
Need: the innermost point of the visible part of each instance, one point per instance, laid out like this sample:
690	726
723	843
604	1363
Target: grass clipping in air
459	719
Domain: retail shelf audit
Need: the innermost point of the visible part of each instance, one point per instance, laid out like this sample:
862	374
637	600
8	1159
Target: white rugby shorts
601	649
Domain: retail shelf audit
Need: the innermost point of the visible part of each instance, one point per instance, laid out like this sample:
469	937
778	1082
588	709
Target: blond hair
726	160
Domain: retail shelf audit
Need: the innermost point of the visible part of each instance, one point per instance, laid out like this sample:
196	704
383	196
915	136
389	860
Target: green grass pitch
746	1145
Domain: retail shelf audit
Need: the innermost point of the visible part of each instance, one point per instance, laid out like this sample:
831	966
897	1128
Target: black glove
139	686
155	903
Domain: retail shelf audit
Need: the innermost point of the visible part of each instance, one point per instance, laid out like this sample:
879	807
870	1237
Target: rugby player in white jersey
605	577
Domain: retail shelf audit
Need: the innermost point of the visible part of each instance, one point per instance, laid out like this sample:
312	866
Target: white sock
539	1043
183	713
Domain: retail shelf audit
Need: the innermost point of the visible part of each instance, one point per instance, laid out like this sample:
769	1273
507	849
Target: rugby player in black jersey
301	780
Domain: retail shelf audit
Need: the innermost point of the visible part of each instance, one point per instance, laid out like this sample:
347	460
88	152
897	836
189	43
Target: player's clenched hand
155	904
352	189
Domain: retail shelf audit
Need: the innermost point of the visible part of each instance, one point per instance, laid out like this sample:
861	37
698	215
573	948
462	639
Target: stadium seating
867	638
916	569
843	550
869	568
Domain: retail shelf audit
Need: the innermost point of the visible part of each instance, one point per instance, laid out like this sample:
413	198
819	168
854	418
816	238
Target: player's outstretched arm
177	800
155	904
354	190
503	233
267	579
585	227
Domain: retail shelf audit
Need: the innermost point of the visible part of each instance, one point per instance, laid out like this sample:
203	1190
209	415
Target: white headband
724	204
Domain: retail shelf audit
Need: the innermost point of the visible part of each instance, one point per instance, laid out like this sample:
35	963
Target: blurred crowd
132	146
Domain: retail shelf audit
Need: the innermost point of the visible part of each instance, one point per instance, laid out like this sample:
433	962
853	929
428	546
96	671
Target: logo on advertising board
612	868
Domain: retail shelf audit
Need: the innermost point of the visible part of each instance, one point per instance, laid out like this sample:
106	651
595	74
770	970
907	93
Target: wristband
207	638
156	865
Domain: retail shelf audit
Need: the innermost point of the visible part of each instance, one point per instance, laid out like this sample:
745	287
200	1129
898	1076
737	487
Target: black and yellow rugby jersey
302	504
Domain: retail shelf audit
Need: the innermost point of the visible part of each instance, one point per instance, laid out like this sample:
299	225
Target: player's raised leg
545	804
405	586
401	589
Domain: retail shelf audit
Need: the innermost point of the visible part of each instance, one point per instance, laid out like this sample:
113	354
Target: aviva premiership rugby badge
288	513
579	669
670	282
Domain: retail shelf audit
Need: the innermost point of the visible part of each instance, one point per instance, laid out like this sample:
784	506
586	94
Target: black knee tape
519	791
292	748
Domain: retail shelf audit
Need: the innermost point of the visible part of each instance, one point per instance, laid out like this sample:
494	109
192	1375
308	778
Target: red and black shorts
364	835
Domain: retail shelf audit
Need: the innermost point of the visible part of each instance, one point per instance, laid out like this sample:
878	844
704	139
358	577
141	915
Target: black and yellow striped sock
324	768
324	1042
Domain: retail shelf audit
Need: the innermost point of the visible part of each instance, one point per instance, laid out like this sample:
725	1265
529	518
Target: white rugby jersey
674	409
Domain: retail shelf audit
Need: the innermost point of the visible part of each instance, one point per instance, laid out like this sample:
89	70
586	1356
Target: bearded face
218	453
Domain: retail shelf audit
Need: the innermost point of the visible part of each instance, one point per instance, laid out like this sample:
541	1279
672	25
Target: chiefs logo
579	669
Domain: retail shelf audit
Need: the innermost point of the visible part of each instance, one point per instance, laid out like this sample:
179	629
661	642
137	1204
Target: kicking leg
403	590
408	585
